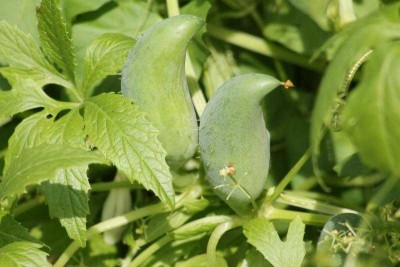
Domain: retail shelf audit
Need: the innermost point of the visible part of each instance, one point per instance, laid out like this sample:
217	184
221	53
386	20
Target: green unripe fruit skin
154	78
232	131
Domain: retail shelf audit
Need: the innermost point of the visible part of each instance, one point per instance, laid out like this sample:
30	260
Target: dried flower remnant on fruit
288	84
229	170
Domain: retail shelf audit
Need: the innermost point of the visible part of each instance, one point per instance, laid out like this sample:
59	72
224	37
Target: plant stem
288	178
199	100
192	192
216	236
299	201
106	186
184	232
111	224
261	46
308	218
29	205
172	8
378	199
150	250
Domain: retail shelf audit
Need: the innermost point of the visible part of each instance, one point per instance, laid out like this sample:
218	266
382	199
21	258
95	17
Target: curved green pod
154	78
234	141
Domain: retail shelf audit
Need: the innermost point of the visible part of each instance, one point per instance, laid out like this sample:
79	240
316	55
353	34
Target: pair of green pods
233	139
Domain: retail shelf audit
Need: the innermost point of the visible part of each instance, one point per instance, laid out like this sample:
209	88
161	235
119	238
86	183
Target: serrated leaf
40	163
55	39
14	75
67	197
20	51
23	254
27	134
262	234
66	194
11	231
105	56
375	102
23	96
122	133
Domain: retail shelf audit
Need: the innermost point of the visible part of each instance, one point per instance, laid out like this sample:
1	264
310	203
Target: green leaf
375	102
27	134
40	163
11	231
55	39
316	10
23	254
129	18
364	35
20	51
122	133
66	194
105	56
219	67
293	29
262	234
71	8
21	13
67	197
15	75
23	96
42	128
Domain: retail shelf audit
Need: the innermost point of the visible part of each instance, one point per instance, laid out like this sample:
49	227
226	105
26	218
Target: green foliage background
65	131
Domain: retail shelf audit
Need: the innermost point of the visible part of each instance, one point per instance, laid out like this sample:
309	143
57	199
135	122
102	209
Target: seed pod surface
154	77
234	141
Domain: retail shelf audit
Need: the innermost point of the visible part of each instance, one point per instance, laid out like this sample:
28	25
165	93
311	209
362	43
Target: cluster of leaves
65	133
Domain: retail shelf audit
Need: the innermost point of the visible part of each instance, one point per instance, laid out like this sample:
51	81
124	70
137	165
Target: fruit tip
288	84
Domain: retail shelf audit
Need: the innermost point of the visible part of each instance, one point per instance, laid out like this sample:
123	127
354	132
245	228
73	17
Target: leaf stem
107	186
111	224
184	232
172	8
216	236
261	46
292	199
192	192
288	178
150	250
199	100
378	199
308	218
29	205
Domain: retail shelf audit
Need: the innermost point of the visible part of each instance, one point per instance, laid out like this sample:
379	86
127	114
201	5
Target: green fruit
234	141
154	77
